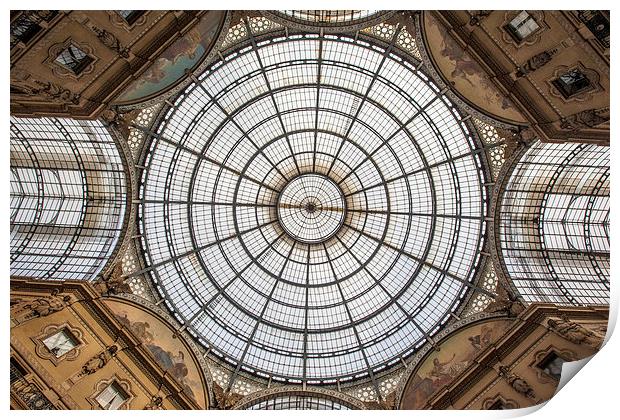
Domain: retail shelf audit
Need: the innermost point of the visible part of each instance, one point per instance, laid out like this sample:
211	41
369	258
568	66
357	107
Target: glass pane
60	343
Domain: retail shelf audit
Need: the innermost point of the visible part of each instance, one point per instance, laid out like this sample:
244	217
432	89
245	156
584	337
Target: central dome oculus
311	208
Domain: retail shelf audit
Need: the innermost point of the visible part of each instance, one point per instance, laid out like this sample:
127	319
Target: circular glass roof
312	208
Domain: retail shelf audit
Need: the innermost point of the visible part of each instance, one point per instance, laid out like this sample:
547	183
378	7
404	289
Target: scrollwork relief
517	383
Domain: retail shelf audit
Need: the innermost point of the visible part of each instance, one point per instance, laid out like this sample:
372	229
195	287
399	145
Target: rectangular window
74	59
28	24
130	16
572	83
522	26
61	342
112	397
497	405
552	365
17	371
597	21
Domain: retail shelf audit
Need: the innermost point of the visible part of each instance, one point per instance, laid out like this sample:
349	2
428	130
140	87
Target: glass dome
313	208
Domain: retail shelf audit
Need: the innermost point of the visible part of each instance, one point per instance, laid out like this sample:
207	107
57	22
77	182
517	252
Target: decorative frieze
589	118
537	61
97	362
50	90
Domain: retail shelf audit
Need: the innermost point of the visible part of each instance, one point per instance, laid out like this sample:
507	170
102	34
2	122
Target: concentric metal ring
311	208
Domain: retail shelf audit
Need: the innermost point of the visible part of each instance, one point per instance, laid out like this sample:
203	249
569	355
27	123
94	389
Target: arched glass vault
554	224
279	134
68	198
297	400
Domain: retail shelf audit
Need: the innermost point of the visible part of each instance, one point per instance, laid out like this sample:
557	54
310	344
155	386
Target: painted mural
170	352
466	75
439	368
184	54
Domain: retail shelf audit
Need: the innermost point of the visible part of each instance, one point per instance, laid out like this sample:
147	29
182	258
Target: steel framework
68	198
409	167
554	224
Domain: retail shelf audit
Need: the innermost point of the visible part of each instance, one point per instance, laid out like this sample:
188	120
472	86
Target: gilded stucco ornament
517	383
97	362
589	118
38	307
575	333
224	400
155	403
112	283
50	90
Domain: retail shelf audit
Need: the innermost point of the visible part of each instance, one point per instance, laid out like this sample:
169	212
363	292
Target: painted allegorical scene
182	55
167	349
440	367
465	74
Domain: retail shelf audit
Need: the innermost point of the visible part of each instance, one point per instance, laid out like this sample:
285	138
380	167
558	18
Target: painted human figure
445	372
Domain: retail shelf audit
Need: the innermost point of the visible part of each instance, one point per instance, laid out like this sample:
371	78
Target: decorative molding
428	348
517	383
55	92
112	283
131	182
590	118
575	333
430	70
29	393
536	61
539	17
118	21
478	16
181	333
109	40
538	357
507	404
95	363
592	75
182	84
601	66
155	403
47	379
24	309
308	26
